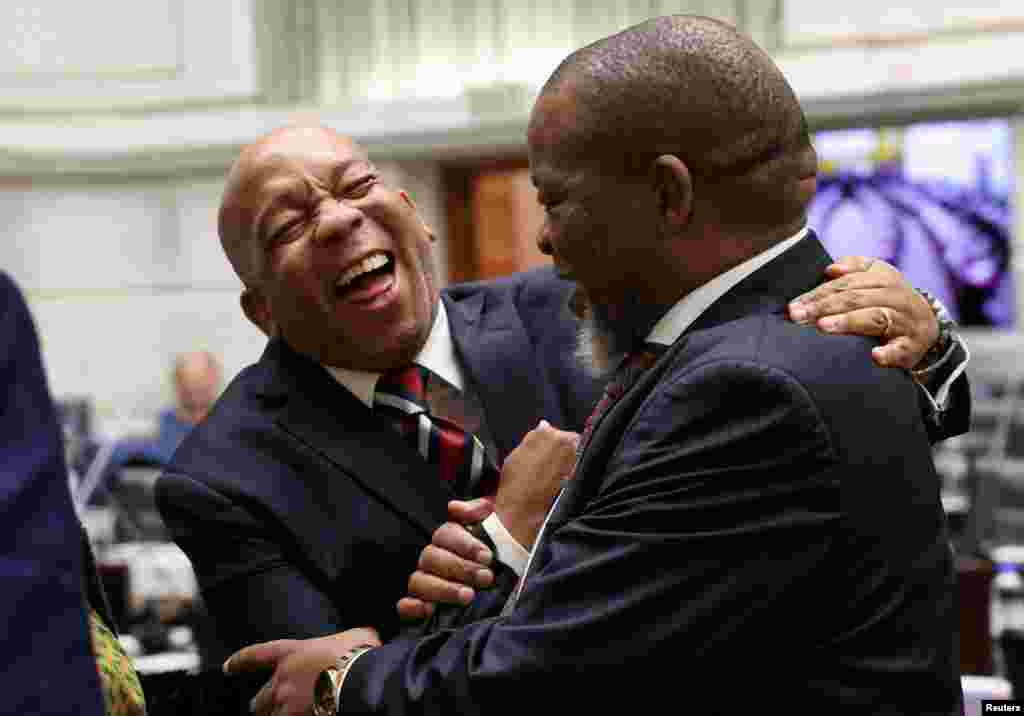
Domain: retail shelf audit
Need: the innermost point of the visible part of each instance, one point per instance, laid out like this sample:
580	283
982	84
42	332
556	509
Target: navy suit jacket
756	523
49	665
304	513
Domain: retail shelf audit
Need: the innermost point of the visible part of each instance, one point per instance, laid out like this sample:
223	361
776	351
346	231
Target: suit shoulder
8	288
537	285
220	439
803	353
13	306
834	373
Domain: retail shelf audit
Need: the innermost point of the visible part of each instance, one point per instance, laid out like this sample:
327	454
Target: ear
257	310
673	187
412	205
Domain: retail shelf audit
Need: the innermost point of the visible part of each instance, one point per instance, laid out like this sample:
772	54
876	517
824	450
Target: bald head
197	379
696	88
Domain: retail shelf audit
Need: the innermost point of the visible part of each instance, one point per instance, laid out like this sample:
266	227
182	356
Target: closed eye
360	188
287	232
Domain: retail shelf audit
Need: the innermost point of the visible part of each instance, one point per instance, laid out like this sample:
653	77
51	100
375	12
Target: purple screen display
933	199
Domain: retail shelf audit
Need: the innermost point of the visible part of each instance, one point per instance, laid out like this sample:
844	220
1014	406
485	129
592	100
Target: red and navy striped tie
458	454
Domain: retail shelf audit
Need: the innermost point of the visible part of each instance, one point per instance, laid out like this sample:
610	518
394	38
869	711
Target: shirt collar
690	307
438	355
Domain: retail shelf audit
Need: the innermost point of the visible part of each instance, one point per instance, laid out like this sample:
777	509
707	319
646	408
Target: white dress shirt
438	356
690	307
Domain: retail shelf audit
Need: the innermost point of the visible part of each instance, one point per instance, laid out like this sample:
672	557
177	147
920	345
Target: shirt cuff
952	364
510	552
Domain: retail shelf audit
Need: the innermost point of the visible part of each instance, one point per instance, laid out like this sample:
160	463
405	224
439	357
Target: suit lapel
494	349
325	416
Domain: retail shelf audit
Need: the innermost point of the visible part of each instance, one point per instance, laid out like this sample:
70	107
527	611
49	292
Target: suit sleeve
246	579
945	396
708	524
50	667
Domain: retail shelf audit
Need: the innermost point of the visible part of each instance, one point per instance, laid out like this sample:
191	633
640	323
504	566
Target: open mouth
366	278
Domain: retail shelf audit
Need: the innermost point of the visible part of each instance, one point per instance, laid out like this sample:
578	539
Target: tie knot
408	383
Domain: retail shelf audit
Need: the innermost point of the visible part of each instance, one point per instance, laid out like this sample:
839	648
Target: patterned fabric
459	455
631	368
122	692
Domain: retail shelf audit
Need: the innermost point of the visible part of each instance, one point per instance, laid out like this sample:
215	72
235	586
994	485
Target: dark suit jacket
756	524
304	513
48	665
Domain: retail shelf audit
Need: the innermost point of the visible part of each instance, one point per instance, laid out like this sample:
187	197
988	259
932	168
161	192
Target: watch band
325	690
947	336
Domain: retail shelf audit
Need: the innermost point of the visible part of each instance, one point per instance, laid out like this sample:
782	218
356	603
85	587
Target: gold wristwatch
328	683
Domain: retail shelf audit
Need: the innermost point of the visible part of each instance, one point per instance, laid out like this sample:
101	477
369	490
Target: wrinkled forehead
313	155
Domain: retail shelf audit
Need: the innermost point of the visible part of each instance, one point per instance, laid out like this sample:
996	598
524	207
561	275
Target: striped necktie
457	453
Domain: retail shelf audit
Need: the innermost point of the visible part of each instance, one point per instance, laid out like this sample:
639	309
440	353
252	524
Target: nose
338	219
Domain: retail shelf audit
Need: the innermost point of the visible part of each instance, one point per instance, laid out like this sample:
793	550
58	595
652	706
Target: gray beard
601	342
592	350
599	347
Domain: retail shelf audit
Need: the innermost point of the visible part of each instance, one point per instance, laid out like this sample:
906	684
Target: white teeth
365	265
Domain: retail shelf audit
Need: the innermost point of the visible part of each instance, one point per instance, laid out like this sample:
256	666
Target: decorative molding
169	144
812	24
155	53
43	41
979	75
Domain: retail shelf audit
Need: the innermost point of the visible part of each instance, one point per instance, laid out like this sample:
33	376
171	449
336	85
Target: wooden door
493	220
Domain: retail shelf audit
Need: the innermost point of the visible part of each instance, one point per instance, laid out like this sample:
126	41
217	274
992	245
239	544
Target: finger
411	609
866	322
853	299
861	281
258	656
446	565
560	442
471	512
570	438
900	353
429	588
358	635
459	541
263	701
850	264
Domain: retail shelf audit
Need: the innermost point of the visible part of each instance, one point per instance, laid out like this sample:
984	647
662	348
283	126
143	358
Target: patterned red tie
458	454
631	368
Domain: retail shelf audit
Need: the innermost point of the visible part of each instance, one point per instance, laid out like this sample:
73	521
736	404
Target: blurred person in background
196	378
197	382
301	506
61	651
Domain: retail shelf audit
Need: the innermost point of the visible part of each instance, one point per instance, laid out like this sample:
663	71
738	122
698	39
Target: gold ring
888	323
